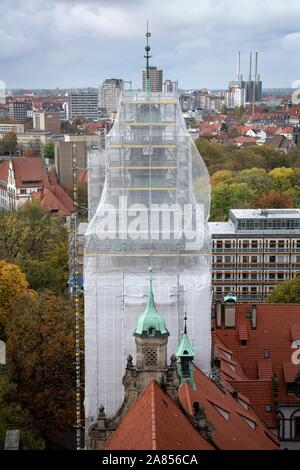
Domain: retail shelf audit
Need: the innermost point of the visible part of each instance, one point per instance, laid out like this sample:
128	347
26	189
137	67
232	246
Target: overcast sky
65	43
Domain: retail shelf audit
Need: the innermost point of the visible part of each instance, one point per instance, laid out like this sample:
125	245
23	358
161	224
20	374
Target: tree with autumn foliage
272	199
12	284
40	332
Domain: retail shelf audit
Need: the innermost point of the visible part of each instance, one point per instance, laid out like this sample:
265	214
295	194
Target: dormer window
151	331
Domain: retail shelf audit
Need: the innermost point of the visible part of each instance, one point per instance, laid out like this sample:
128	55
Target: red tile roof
27	169
155	422
3	174
55	199
276	327
233	433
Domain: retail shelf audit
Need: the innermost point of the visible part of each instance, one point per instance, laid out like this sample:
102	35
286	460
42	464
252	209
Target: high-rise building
44	121
147	215
156	79
254	251
18	111
83	104
109	95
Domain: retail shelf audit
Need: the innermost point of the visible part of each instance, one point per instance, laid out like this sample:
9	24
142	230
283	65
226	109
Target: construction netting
152	211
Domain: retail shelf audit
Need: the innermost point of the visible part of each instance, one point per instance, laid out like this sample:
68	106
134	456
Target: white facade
152	162
235	97
109	95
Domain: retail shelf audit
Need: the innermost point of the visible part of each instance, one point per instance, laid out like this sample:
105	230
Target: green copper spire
185	349
185	354
147	57
150	322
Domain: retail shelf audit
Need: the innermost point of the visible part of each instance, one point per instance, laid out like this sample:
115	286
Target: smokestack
239	66
256	66
250	74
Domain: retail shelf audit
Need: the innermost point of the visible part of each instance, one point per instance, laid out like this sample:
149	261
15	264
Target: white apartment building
235	97
5	128
254	251
109	95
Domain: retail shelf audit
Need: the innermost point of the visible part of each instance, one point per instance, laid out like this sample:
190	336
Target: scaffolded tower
153	211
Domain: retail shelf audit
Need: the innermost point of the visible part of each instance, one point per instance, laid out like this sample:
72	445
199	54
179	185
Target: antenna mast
147	57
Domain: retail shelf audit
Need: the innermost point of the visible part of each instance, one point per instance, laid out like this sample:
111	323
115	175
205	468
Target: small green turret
185	355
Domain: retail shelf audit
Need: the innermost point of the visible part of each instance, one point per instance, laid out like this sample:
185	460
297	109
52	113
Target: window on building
253	290
245	244
245	259
245	276
227	245
227	259
280	276
272	259
254	259
245	290
268	408
272	244
254	244
297	427
227	276
280	243
219	276
219	259
23	191
267	354
272	276
219	244
254	276
280	259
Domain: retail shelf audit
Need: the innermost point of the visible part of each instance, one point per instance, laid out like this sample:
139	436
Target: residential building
25	178
8	127
17	111
45	121
63	156
235	97
83	104
156	79
257	353
109	95
254	252
33	138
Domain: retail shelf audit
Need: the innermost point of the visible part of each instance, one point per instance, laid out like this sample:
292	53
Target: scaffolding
155	178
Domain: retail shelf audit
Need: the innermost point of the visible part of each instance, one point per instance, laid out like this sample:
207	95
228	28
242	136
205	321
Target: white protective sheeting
150	160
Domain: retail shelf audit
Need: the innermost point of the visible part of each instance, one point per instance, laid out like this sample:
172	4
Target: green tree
287	293
36	241
9	143
224	109
222	176
48	150
257	178
229	196
13	416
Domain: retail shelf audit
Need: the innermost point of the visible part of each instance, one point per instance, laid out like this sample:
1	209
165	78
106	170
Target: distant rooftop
264	213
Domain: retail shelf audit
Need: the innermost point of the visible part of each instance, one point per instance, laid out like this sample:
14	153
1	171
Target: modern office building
83	104
156	79
109	95
17	111
255	251
45	121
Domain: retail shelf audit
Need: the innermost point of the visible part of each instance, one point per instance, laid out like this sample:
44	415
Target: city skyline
80	43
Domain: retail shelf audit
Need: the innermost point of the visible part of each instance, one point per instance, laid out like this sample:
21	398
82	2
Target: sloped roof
28	169
155	422
55	199
277	326
228	416
3	174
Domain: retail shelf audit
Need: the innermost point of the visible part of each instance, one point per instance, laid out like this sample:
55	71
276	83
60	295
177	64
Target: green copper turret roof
185	349
150	322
